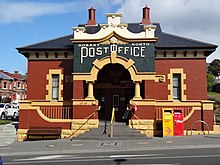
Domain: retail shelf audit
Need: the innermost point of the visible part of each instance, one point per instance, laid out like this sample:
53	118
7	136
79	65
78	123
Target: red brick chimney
91	20
146	15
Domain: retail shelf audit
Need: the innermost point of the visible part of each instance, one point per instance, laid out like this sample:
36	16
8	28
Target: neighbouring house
113	65
13	86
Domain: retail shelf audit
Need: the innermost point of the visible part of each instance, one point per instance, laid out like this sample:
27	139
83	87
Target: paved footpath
62	146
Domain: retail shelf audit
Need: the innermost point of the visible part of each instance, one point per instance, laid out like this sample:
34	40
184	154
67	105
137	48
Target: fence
57	112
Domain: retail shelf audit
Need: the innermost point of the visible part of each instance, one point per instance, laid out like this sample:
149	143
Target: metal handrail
112	121
88	118
201	121
148	128
132	120
136	116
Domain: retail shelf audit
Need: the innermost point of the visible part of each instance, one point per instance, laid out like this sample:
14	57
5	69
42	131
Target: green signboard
141	53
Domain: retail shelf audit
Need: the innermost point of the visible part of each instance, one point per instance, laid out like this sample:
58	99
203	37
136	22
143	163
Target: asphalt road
199	156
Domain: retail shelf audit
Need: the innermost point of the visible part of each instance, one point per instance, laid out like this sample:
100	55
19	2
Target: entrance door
113	88
114	98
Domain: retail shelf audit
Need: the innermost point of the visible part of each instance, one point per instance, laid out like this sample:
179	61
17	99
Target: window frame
176	86
55	87
19	85
5	84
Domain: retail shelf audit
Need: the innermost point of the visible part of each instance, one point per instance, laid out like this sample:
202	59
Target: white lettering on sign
92	50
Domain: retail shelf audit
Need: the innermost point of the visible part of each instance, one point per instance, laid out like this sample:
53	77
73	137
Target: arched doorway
113	88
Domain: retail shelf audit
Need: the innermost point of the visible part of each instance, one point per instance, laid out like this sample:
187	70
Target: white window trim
4	85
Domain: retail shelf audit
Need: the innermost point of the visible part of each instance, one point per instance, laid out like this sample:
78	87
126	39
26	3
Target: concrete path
82	146
7	134
9	145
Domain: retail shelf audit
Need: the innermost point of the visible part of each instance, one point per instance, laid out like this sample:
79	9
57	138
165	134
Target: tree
210	82
6	100
214	67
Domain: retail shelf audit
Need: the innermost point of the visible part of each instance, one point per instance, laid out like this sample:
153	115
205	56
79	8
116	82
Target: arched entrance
113	88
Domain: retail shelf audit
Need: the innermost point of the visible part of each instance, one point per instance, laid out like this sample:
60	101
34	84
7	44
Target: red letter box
178	122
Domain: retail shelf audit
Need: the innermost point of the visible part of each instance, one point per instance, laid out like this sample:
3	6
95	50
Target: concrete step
120	132
7	134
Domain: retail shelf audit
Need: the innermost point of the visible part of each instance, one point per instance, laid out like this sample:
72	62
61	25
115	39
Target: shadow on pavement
212	136
119	161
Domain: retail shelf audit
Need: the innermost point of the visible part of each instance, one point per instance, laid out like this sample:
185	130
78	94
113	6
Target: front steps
121	131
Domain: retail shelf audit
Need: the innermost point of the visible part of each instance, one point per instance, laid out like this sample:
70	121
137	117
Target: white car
3	109
12	111
16	117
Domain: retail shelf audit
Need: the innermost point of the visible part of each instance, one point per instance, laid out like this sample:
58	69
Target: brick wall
195	70
37	71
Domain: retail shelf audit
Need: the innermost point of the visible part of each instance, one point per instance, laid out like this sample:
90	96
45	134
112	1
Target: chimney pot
146	15
91	20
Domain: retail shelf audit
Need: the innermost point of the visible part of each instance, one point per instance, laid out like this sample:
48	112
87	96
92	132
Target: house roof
170	41
165	41
3	76
61	43
14	76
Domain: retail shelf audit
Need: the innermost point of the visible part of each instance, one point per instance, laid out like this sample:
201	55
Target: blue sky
25	22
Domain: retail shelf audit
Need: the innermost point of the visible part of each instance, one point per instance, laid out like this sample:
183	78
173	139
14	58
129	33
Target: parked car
12	111
16	116
3	108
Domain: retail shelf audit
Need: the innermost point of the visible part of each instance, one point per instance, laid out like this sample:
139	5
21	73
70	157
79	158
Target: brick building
112	65
13	86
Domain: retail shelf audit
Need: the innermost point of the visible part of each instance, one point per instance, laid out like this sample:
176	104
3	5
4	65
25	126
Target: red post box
178	122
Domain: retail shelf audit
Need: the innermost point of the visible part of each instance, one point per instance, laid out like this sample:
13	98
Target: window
14	85
5	85
115	100
55	86
176	86
19	85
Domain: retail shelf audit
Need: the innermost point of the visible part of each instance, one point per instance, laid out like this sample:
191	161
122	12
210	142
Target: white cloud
196	19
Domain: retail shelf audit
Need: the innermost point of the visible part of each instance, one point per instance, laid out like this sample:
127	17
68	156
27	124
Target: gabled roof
3	76
14	76
165	41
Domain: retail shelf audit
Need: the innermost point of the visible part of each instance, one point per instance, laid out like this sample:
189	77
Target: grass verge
214	95
3	122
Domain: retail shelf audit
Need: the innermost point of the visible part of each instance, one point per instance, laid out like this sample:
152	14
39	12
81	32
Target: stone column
137	94
90	91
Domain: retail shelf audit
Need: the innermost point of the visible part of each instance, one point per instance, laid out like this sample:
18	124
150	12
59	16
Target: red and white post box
178	122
